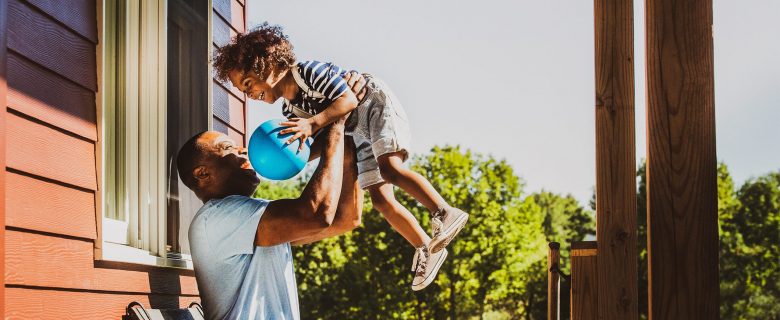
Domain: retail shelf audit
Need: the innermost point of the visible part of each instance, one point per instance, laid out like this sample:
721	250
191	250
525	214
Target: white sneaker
425	266
446	222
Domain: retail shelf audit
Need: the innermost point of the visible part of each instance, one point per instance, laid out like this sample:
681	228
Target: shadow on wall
164	284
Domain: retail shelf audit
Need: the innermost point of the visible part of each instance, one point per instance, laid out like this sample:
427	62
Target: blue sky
515	79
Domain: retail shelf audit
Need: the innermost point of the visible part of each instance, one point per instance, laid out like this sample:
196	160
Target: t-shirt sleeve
324	78
287	110
231	229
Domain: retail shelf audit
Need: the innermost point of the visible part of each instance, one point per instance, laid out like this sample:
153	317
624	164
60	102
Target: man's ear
201	174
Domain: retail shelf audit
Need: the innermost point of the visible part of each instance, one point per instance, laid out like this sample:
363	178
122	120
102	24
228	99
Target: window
155	87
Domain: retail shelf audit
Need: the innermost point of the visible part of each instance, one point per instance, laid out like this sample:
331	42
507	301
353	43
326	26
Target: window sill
121	253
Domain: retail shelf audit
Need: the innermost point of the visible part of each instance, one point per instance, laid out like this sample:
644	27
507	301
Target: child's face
254	87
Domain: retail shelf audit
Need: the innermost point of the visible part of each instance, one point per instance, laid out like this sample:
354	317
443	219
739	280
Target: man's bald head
214	166
190	155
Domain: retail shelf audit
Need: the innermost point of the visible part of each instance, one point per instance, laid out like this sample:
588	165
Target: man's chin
243	182
254	179
252	173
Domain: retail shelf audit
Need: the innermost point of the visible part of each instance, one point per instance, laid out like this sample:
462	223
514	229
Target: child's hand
301	127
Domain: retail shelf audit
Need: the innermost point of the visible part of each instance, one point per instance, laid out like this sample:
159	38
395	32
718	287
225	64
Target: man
241	246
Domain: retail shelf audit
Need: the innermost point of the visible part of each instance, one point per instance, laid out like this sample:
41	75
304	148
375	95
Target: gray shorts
379	127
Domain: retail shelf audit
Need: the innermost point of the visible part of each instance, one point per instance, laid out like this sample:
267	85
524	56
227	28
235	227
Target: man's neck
222	195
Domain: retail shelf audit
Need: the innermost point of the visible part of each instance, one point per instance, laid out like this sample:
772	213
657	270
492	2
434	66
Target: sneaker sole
444	238
432	275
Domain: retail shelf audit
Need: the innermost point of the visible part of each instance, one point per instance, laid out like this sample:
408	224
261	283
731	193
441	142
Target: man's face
228	169
255	87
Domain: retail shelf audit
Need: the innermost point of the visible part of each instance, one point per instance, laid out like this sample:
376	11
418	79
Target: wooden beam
682	217
584	282
615	160
553	279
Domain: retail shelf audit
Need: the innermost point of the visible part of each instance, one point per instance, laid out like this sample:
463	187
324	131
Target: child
261	64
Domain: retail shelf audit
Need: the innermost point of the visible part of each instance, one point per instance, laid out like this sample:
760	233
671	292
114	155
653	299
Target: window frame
142	87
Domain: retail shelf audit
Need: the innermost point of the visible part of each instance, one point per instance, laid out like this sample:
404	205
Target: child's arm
337	87
356	84
304	128
339	108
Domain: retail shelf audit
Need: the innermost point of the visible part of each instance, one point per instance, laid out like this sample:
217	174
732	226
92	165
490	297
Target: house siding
229	104
52	183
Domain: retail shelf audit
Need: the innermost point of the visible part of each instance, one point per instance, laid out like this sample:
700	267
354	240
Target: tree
750	247
492	258
365	274
565	221
641	239
496	266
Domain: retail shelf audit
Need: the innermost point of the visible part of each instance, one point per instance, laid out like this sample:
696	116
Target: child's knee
377	199
382	201
390	172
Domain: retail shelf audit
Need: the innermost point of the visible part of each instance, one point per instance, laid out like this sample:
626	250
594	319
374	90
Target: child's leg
392	170
448	221
425	263
397	215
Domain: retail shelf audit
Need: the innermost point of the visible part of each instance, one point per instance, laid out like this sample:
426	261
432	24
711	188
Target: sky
515	79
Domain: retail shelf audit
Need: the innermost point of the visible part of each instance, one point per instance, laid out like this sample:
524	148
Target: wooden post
584	281
553	263
3	106
682	217
615	160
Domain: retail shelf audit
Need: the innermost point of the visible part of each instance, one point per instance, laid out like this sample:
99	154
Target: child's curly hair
263	49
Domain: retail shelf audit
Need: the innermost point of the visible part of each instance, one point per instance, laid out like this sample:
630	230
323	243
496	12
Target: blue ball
271	157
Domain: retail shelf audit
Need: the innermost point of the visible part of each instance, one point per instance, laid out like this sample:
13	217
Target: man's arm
350	207
288	220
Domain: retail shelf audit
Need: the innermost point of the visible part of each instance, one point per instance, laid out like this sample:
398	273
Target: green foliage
565	220
491	259
750	247
366	273
279	190
496	266
641	239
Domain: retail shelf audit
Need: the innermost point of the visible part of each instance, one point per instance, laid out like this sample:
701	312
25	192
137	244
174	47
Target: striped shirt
326	82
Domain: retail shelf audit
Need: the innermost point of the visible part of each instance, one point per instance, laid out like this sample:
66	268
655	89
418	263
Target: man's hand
301	127
356	82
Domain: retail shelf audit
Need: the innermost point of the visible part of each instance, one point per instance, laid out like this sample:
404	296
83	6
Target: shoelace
436	226
436	222
420	258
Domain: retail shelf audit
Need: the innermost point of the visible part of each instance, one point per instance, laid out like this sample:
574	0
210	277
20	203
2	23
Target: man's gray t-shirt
236	279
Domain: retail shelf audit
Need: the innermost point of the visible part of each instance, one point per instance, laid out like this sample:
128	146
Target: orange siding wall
52	180
3	94
229	103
